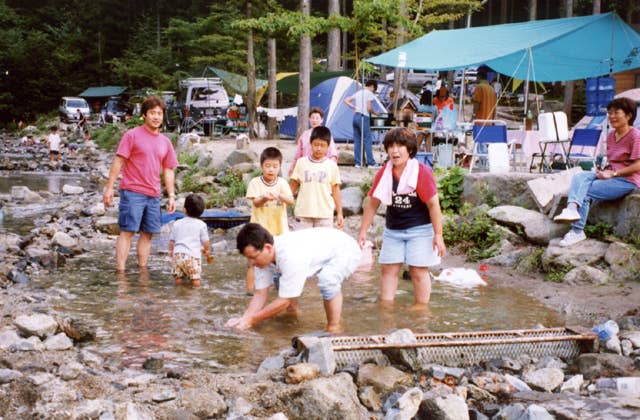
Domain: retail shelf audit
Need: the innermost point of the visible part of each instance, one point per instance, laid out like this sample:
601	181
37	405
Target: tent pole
526	87
362	120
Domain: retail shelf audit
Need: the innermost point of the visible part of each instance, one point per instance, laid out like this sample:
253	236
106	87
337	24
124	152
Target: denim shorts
139	213
413	246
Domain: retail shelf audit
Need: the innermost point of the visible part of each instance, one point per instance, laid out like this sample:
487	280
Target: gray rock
572	384
382	378
24	195
64	239
536	227
613	345
545	379
346	158
607	365
40	325
510	188
32	343
278	416
632	336
9	375
163	396
626	347
623	214
90	359
511	412
335	397
551	362
18	277
153	362
8	338
133	411
407	405
96	209
72	189
537	412
58	342
71	370
351	198
370	398
240	407
449	407
408	357
585	274
108	225
505	363
244	167
202	402
545	188
517	383
587	252
241	156
91	409
271	364
321	354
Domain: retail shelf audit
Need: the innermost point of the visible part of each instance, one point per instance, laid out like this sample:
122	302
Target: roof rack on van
200	80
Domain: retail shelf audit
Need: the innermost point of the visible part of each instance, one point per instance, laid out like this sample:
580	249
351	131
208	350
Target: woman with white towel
413	228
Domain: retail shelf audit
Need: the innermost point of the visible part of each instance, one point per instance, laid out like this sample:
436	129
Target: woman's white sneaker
572	238
567	216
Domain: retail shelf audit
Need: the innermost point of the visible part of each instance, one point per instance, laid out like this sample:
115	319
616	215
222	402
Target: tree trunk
333	41
272	124
533	8
345	37
305	70
596	7
503	11
568	87
250	99
398	72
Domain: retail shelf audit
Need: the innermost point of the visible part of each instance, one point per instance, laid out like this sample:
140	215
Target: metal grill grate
464	348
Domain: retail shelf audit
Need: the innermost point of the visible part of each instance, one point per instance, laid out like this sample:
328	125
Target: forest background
55	48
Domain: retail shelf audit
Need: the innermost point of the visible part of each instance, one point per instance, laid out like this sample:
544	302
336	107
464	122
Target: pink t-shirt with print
146	155
624	152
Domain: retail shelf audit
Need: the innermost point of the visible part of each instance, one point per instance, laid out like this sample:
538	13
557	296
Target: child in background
269	195
304	143
316	180
188	239
53	141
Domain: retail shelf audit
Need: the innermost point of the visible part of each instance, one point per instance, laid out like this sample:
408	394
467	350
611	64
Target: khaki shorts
184	265
311	222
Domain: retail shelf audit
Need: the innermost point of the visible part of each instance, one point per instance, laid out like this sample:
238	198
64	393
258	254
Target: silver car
69	106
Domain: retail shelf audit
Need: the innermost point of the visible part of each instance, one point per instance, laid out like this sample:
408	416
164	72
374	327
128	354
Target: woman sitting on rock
612	182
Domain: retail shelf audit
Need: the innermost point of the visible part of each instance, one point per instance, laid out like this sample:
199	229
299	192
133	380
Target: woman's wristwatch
615	173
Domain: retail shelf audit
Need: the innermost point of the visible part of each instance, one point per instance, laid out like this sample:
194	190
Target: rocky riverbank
46	371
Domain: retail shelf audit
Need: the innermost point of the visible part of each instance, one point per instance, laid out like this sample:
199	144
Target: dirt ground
580	304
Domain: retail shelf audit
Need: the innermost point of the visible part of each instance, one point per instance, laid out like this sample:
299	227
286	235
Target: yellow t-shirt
314	195
272	215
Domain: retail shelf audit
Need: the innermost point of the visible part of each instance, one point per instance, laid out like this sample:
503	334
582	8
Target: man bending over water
326	254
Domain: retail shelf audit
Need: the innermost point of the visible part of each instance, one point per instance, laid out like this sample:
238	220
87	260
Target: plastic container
548	128
606	330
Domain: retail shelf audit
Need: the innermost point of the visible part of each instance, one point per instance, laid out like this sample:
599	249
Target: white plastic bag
461	277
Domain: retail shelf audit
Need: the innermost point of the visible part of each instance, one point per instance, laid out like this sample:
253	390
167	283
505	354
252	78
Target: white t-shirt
54	142
302	254
189	235
361	99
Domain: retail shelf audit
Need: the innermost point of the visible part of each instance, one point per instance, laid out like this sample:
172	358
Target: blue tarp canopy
543	51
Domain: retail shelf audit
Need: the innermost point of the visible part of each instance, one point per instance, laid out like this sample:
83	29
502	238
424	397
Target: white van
204	96
69	106
417	77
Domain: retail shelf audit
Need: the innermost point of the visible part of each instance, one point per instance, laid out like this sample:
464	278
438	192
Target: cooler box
426	158
547	126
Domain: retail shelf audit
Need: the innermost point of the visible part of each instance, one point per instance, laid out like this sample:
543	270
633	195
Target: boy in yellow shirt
316	180
269	195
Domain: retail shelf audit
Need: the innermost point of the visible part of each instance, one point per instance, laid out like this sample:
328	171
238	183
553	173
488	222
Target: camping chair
583	137
443	136
483	135
554	132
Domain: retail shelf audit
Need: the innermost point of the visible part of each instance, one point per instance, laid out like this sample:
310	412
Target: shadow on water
141	313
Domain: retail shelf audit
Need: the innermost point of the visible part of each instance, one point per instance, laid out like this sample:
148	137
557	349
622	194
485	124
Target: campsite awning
543	51
102	91
236	82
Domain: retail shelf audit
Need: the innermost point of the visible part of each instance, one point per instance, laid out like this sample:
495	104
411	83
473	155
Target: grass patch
599	231
473	232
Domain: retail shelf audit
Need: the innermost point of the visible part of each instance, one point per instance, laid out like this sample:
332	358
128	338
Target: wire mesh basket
463	348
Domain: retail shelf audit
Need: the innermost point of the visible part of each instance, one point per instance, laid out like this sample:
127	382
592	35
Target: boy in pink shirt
142	154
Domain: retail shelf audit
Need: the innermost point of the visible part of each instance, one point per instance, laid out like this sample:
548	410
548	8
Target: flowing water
142	313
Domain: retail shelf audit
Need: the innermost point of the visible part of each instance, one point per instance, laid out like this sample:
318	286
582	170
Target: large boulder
41	325
624	261
587	275
504	189
334	397
544	189
597	365
241	156
72	189
351	198
382	378
587	252
536	227
108	225
622	214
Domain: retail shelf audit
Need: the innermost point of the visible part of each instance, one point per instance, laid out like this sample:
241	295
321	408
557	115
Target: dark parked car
116	107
